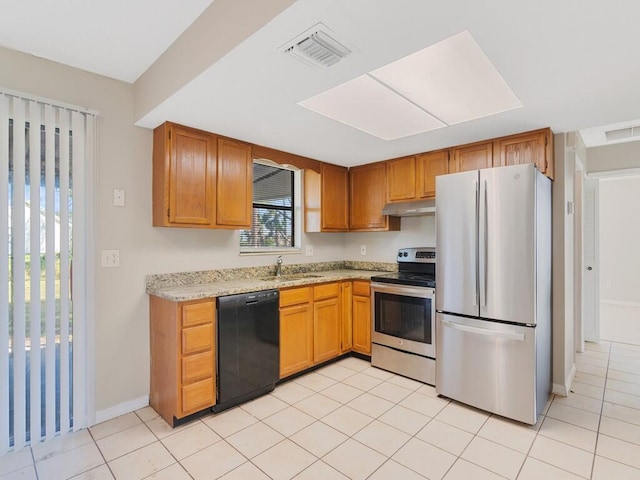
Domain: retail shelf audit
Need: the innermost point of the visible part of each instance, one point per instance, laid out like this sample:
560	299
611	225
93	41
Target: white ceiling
573	64
115	38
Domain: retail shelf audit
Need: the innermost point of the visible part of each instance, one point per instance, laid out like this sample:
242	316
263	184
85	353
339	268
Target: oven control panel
417	254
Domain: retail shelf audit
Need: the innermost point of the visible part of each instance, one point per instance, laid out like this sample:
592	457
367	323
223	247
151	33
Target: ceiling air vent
317	48
622	133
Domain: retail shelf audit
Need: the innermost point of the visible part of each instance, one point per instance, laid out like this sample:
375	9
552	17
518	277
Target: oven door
404	318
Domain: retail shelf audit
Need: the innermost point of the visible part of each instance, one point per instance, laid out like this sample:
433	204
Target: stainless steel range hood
410	209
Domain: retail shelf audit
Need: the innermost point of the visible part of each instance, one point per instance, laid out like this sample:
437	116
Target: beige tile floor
351	421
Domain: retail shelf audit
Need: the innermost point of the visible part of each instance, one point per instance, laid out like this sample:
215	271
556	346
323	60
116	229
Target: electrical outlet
309	250
110	258
118	197
363	249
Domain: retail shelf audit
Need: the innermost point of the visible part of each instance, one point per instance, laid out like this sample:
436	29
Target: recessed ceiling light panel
452	79
367	105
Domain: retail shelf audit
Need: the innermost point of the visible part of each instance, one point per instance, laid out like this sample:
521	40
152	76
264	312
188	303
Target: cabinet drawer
197	313
197	339
361	288
327	290
295	296
197	396
195	367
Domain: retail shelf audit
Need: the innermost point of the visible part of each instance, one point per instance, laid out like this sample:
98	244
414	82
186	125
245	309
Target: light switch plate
110	258
309	250
363	249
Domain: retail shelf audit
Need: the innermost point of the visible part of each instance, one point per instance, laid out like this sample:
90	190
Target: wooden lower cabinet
182	357
296	339
322	322
346	327
361	313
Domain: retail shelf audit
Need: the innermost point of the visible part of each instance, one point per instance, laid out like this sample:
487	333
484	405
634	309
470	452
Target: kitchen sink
293	276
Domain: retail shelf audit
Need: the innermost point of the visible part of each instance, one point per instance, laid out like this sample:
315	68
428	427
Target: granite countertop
181	287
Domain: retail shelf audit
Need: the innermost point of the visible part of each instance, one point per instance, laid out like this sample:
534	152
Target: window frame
296	214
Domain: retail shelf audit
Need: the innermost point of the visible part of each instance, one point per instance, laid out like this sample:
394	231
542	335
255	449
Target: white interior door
590	284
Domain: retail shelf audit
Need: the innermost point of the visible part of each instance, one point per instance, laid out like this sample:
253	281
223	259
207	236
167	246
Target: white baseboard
121	409
564	390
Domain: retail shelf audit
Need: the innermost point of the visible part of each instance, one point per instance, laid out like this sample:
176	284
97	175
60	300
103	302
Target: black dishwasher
248	346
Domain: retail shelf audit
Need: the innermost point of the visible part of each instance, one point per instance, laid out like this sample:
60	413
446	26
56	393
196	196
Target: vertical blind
45	150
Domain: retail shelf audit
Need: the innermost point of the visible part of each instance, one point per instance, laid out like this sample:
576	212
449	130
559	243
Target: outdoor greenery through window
273	219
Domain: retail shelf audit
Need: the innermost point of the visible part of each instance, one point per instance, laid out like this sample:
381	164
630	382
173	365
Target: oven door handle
406	290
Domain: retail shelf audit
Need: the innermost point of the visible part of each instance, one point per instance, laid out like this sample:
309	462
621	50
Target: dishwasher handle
484	331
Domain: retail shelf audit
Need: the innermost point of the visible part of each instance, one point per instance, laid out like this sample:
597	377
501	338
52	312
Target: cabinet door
472	157
326	329
428	167
367	198
235	184
362	324
401	179
529	147
334	198
296	339
346	335
192	173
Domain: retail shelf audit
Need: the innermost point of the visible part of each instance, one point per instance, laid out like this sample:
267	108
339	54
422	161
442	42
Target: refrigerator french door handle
476	254
483	331
486	241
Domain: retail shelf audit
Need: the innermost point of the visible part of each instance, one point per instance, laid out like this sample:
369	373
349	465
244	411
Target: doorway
619	276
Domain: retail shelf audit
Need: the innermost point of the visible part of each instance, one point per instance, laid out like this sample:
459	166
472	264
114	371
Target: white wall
563	268
619	259
613	157
383	246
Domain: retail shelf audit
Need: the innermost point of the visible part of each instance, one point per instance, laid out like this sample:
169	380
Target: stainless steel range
403	312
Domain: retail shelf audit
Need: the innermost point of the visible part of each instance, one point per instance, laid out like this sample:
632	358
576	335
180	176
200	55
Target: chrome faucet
279	266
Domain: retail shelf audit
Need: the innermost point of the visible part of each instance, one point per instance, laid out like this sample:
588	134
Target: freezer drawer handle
483	331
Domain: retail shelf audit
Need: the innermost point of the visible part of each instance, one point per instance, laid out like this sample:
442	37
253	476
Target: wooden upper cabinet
184	177
326	199
471	157
335	198
200	180
367	198
428	167
234	186
401	179
530	147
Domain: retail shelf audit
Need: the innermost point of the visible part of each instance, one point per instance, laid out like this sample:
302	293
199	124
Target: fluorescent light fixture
449	82
452	79
369	106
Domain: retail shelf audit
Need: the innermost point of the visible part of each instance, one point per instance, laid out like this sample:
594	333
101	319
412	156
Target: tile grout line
604	391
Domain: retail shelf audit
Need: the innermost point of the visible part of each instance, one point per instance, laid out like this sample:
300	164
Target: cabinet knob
589	268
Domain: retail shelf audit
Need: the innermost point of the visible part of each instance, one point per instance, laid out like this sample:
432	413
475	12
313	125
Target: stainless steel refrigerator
493	297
